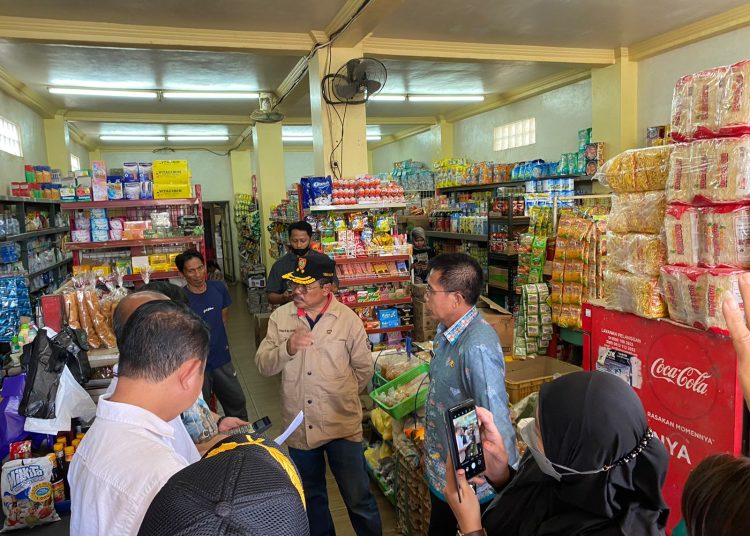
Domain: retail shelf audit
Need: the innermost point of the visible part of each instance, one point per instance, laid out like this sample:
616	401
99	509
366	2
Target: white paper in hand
291	428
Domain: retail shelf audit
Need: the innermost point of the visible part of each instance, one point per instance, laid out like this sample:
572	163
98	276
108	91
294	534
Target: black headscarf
587	420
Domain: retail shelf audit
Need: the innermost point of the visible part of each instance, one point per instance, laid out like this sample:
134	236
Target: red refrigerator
686	379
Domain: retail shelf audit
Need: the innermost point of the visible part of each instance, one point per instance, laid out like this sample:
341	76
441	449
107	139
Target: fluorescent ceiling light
373	138
131	138
210	95
393	98
198	138
446	98
134	94
296	138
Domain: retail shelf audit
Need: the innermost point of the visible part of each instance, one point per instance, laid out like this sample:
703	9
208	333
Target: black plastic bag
75	344
43	372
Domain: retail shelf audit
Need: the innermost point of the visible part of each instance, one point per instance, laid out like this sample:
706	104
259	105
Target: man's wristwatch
480	532
218	423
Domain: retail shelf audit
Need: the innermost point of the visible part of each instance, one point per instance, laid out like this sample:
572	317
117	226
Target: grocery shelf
502	257
280	220
359	260
379	303
375	331
34	234
48	268
457	236
12	199
501	289
507	184
368	206
154	275
374	280
109	244
127	203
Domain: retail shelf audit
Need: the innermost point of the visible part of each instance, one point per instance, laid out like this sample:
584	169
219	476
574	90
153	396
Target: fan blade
373	86
347	91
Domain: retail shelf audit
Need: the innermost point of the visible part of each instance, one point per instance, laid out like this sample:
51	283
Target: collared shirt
121	464
468	363
323	380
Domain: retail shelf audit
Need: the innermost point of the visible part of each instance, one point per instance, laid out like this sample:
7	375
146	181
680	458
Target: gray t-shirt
284	265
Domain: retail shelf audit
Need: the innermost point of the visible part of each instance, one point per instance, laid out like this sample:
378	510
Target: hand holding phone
464	441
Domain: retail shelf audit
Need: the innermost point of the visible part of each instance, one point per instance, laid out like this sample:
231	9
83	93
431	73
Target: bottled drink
59	483
69	451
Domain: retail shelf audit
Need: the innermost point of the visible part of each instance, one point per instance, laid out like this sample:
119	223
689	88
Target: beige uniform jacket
323	380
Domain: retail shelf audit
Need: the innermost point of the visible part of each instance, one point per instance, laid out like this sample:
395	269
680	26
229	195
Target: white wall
82	153
212	172
559	114
657	76
33	142
422	147
297	164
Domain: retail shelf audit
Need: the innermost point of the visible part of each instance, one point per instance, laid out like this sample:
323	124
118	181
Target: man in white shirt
129	452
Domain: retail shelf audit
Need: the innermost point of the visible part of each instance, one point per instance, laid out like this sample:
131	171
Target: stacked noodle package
707	221
636	248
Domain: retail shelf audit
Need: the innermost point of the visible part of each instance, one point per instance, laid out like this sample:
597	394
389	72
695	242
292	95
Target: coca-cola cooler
686	379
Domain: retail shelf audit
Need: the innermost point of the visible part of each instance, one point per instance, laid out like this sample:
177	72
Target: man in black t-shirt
300	235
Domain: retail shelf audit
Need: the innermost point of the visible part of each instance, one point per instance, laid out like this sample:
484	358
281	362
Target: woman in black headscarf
593	467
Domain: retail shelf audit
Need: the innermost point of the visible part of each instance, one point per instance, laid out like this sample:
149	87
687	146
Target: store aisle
263	399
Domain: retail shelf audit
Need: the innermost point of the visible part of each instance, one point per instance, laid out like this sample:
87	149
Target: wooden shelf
457	236
127	203
41	201
359	260
373	331
374	280
109	244
154	275
34	234
48	268
369	206
380	303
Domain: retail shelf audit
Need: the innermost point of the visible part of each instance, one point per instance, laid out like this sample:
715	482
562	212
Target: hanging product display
533	329
15	303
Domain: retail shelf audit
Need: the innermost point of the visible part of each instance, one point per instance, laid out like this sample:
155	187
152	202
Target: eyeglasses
303	289
431	290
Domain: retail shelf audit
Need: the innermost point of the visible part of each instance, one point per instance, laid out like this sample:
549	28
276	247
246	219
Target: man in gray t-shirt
300	235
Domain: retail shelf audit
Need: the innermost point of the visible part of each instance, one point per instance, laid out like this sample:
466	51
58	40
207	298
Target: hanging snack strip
534	326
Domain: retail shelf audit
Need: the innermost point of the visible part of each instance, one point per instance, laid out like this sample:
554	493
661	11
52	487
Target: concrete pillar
96	154
350	156
443	140
57	137
268	155
614	91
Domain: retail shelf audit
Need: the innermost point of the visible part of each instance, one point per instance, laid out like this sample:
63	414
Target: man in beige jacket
320	348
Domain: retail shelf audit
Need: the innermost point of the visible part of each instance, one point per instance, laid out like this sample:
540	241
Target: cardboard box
172	190
500	319
418	291
423	335
261	327
420	309
525	377
171	171
499	278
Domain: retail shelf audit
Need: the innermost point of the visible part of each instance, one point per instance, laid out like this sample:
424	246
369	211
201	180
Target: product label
703	177
679	241
58	490
742	236
678	174
723	170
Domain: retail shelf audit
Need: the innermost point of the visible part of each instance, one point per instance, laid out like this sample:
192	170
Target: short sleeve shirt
209	306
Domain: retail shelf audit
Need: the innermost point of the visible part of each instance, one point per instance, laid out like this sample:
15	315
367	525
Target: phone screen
466	443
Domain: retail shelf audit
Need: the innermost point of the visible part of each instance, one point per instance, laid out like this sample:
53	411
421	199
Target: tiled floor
263	399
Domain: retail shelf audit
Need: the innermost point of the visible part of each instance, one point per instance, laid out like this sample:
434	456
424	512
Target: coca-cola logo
688	378
682	374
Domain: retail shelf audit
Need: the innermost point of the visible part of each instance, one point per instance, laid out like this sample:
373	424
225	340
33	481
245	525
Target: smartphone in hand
462	426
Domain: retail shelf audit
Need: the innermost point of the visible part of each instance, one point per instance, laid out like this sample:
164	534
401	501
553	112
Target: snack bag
734	115
681	178
641	212
637	253
631	293
681	226
724	235
707	93
27	493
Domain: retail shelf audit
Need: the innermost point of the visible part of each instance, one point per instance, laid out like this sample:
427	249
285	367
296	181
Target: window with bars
10	137
75	162
516	134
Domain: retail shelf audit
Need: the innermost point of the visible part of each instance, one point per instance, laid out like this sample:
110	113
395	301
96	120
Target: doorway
218	234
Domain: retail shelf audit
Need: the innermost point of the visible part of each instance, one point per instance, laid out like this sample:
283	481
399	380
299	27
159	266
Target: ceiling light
373	138
134	94
209	95
198	138
131	138
446	98
296	138
392	98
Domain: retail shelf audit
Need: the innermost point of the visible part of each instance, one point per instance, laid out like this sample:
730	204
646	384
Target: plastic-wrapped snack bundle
637	170
638	212
681	102
681	227
632	293
671	280
637	253
680	187
724	235
705	102
734	115
717	282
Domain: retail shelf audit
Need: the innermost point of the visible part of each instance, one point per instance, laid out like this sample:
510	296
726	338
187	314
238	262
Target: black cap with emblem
310	269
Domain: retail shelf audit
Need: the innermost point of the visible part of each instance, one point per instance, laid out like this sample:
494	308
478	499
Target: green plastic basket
408	405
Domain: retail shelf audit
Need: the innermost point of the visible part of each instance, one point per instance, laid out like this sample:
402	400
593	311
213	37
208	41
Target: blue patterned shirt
468	363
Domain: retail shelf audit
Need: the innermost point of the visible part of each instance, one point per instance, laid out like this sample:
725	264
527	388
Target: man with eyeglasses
320	348
468	363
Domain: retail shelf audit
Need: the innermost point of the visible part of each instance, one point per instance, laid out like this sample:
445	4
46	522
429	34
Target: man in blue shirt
468	363
210	300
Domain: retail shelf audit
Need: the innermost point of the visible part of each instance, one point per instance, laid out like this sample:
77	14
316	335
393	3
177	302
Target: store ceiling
40	61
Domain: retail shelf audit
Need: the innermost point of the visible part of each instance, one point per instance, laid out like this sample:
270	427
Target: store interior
592	160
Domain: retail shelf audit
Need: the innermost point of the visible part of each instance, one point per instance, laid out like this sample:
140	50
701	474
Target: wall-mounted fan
265	112
355	82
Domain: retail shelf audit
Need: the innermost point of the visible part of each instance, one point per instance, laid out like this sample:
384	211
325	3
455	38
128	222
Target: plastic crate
409	404
525	377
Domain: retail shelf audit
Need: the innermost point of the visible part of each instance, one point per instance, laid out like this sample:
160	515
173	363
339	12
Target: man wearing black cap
320	348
